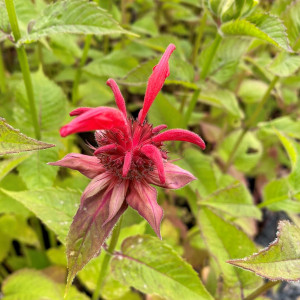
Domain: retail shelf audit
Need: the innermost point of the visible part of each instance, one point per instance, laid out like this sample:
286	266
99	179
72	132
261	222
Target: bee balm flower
129	159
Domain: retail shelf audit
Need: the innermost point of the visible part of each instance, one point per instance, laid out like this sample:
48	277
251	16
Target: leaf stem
191	107
22	56
262	289
199	38
2	74
87	45
106	259
250	122
210	57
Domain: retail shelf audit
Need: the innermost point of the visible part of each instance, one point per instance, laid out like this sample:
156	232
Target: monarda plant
129	159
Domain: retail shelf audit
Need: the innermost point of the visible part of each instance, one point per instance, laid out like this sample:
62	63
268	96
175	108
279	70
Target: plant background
234	80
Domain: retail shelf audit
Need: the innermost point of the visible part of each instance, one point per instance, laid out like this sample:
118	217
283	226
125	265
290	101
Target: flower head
130	156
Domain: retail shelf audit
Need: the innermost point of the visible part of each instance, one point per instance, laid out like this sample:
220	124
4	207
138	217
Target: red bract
129	159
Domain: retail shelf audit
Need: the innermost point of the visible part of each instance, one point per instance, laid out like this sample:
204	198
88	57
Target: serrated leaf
72	16
285	65
55	207
261	26
218	236
280	260
13	141
234	200
153	267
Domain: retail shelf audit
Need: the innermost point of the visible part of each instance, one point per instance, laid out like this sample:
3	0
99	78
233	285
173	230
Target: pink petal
179	135
93	119
127	163
79	111
105	148
118	96
176	177
89	166
156	80
155	155
142	197
97	184
117	198
159	128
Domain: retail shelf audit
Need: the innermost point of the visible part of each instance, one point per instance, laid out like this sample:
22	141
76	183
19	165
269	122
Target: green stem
2	75
251	122
199	38
261	290
87	45
191	107
39	232
210	57
22	56
106	259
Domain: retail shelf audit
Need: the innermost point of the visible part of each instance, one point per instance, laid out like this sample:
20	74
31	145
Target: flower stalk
262	289
22	56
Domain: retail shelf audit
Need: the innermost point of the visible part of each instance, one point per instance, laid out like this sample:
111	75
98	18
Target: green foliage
13	141
280	260
151	266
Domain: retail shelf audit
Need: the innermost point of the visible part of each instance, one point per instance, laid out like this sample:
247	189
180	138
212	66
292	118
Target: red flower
128	160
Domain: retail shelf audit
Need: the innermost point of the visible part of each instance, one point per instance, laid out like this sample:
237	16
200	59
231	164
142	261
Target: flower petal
142	197
176	177
89	166
155	155
179	135
117	198
105	148
97	184
159	128
79	111
118	96
93	119
127	163
156	81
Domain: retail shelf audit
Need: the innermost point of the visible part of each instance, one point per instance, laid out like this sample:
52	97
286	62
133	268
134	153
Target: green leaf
5	245
224	99
72	16
36	173
116	65
163	111
50	102
234	200
29	284
8	164
261	26
252	91
153	267
225	241
285	65
280	260
55	207
247	155
13	141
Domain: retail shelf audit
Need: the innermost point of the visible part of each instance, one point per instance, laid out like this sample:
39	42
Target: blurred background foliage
233	79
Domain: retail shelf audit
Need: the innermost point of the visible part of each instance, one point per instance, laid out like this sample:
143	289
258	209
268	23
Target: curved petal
93	119
179	135
142	197
105	148
117	198
159	128
79	111
89	166
155	155
127	163
118	96
176	177
156	81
